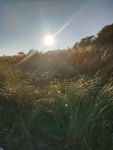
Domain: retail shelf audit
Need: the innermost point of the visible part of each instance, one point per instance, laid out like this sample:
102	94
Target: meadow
58	107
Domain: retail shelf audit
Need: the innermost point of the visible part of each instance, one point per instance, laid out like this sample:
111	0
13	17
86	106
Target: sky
24	23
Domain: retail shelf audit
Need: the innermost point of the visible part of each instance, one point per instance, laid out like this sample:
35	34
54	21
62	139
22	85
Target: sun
49	40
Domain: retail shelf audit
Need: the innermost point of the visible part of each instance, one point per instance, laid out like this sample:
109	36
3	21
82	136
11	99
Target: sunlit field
59	100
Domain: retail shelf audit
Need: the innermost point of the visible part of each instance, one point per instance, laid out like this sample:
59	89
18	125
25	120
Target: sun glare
49	40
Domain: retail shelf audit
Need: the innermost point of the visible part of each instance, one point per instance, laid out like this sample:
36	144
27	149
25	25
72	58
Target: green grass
61	115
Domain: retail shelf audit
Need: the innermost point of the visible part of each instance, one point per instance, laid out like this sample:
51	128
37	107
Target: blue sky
24	23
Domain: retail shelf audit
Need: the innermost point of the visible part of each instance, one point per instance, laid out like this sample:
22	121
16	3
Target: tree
21	53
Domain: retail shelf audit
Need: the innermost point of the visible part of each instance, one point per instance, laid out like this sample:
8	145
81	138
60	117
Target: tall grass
62	115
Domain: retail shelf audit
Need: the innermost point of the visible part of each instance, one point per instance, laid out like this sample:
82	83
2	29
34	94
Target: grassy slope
63	105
